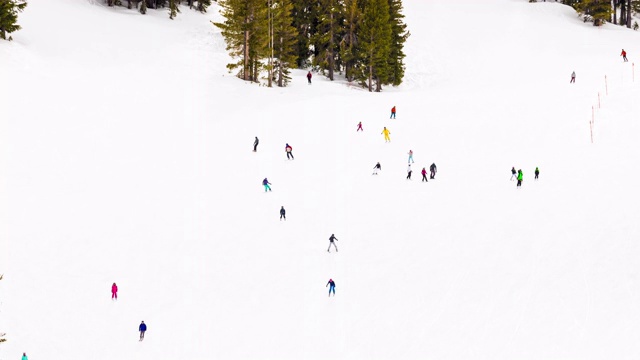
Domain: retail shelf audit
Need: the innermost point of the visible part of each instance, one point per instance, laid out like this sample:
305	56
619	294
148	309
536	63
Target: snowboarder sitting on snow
376	168
331	242
282	214
288	149
332	287
266	184
142	328
433	170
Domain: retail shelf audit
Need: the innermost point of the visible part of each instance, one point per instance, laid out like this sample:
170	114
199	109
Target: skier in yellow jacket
386	135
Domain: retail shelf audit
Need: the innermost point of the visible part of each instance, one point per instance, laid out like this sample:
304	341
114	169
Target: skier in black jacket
331	242
282	214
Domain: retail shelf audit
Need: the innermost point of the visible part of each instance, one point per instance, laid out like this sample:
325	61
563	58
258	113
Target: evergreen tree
374	37
245	30
349	42
597	10
284	40
304	15
9	10
399	35
143	7
326	39
173	9
203	5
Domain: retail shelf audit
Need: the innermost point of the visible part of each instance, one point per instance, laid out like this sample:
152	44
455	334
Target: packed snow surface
125	156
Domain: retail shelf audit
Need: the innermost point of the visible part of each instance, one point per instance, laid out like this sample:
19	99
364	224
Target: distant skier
24	356
309	77
114	291
433	170
331	242
537	172
332	287
376	168
386	135
424	175
266	184
410	157
289	150
409	171
513	173
393	112
255	144
142	328
282	214
520	176
624	55
573	77
359	127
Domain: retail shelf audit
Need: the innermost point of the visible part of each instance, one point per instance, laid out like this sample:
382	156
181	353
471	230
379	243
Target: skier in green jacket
519	178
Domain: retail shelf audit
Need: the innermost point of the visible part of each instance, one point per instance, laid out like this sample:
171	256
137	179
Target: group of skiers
519	176
114	296
624	58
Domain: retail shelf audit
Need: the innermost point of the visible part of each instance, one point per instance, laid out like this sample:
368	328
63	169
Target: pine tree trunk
628	14
615	11
280	75
246	69
623	12
331	47
370	76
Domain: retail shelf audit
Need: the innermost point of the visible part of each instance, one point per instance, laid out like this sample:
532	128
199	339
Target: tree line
173	5
599	12
361	39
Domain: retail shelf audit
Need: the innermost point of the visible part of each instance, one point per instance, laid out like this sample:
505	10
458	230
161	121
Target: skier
331	242
282	214
424	175
142	328
288	149
24	356
266	184
519	178
513	173
624	55
393	112
537	172
376	168
114	291
309	77
410	157
573	77
433	170
359	127
332	287
386	135
409	171
255	144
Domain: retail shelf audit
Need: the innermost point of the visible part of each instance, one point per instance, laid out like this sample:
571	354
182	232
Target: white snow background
125	156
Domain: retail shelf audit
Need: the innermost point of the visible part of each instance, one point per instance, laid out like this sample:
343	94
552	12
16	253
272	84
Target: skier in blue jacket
332	287
142	328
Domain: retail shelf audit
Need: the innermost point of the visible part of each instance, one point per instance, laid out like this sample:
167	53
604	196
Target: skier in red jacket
424	174
114	291
624	55
393	112
309	77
